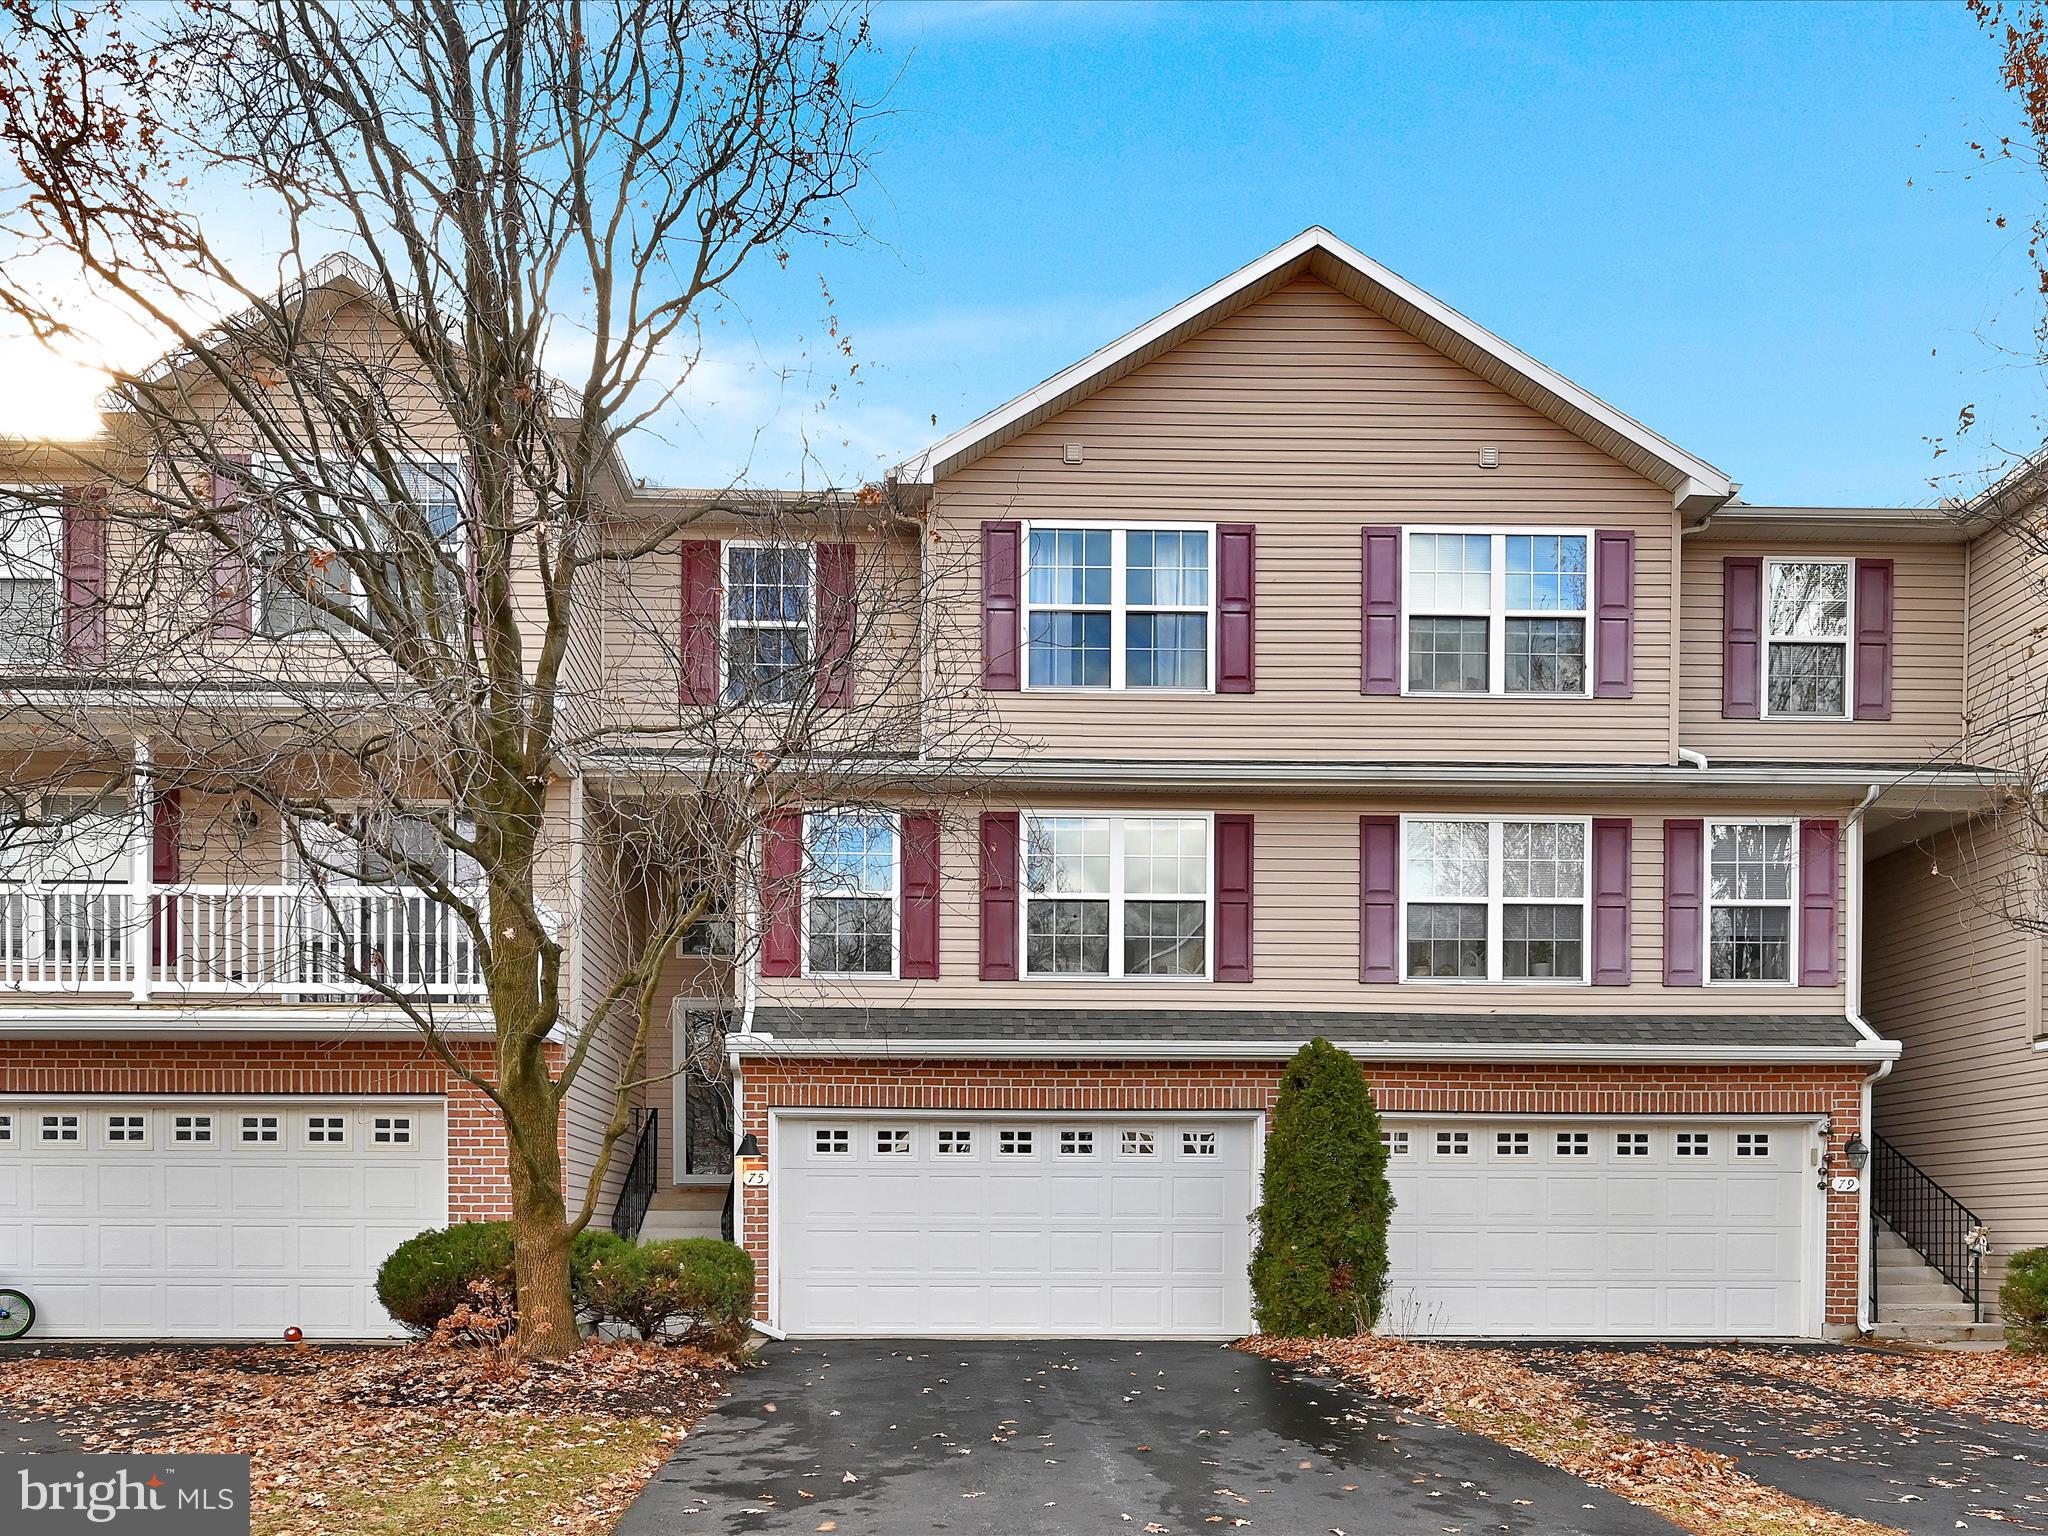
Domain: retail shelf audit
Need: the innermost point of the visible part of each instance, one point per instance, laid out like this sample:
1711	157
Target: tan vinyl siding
1306	922
1311	417
2007	651
1927	664
1962	990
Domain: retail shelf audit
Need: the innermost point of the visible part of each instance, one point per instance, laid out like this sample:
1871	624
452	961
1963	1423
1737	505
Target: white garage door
1686	1228
186	1218
952	1226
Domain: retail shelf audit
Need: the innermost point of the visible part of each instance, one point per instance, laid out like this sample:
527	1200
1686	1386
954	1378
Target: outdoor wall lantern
750	1146
1857	1153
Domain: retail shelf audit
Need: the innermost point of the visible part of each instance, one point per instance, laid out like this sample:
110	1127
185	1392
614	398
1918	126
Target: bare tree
374	566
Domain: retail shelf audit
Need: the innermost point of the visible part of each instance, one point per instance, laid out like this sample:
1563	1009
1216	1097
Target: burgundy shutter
1873	640
1379	898
1001	605
1379	666
1237	610
166	823
1684	901
1611	901
1742	637
1614	613
1820	903
85	574
835	625
1001	833
233	594
920	950
699	639
1233	897
782	862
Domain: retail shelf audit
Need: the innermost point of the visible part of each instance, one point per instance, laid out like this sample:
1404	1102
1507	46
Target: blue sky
1757	228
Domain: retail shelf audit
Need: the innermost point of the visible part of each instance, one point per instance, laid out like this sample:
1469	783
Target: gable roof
1696	486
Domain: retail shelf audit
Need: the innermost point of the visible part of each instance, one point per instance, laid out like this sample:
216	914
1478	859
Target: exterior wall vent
1072	455
1489	458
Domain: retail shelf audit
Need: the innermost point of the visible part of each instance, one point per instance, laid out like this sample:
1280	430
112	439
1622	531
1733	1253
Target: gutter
761	1044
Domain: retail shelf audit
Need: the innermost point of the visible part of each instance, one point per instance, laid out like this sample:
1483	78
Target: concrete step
663	1225
1945	1334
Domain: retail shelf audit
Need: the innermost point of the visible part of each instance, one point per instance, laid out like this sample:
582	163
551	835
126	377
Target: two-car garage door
191	1218
1140	1225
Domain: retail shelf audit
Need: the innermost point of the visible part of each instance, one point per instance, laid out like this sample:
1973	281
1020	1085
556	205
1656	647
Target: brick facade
1421	1087
477	1186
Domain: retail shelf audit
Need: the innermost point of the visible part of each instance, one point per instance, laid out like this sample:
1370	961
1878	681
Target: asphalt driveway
1927	1471
878	1438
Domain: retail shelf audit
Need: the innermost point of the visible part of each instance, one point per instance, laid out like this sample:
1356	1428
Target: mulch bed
319	1423
1501	1394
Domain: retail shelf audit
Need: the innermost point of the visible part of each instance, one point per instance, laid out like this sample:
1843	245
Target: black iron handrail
1934	1223
637	1193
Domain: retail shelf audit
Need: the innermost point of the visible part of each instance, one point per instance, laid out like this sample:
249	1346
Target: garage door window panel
59	1130
6	1130
1752	883
326	1131
260	1130
191	1130
1117	896
893	1141
1495	899
126	1130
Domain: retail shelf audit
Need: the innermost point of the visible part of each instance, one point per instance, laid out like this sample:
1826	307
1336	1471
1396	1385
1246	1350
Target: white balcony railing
281	941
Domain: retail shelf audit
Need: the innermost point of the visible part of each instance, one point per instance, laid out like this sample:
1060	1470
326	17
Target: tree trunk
540	1219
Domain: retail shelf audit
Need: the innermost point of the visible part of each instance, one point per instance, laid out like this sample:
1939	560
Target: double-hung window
1489	899
768	614
1752	883
1120	896
1118	607
1496	612
321	546
1806	638
31	577
850	908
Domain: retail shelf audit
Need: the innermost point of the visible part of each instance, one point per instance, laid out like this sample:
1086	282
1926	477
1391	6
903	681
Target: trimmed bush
2023	1300
428	1277
1320	1268
695	1289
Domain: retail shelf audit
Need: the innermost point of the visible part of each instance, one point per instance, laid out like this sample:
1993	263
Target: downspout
1696	759
1686	754
1866	1312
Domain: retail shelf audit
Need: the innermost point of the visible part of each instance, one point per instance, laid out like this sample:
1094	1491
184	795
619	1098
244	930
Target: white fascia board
1173	773
1281	1050
1696	485
94	1021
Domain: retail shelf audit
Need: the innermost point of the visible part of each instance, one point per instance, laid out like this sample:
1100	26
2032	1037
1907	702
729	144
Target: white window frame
1846	642
253	1131
399	1133
1118	607
358	599
1497	901
201	1128
139	1143
1116	897
895	970
325	1142
20	567
1497	611
808	626
1708	902
9	1125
